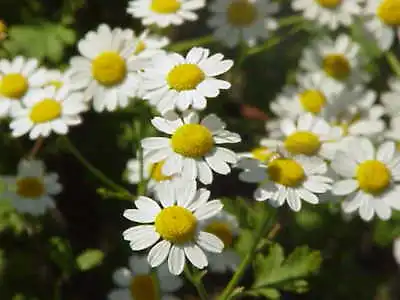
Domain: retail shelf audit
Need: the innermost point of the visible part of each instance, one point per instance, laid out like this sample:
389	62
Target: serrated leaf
89	259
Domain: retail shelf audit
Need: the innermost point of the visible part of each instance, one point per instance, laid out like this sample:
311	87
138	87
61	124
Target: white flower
137	283
247	20
192	150
149	45
329	13
260	153
177	82
31	191
17	77
396	250
340	60
370	178
107	71
226	228
287	180
176	223
310	136
165	12
47	110
58	78
382	16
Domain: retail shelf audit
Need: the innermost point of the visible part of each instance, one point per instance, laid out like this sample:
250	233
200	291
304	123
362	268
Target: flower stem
36	147
263	228
96	172
394	62
197	282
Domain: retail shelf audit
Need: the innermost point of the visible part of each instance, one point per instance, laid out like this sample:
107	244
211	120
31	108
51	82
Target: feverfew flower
31	191
58	78
17	77
226	228
107	71
287	179
47	110
382	17
149	45
165	12
247	20
309	135
192	149
329	13
340	60
137	282
173	81
370	178
173	228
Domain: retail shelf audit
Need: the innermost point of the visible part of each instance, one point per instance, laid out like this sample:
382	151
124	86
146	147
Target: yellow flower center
13	85
222	231
165	6
185	77
312	101
156	172
336	66
143	288
109	68
262	153
140	47
389	12
192	140
45	110
303	142
176	224
286	172
241	13
329	3
3	27
373	177
30	187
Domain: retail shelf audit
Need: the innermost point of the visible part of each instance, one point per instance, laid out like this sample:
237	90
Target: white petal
139	216
147	204
185	192
200	199
344	165
158	254
386	152
344	187
141	237
196	256
213	123
293	200
219	166
176	260
155	143
204	172
209	210
209	242
308	196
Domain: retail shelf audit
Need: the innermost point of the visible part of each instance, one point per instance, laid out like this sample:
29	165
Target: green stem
197	282
96	172
394	62
264	226
185	45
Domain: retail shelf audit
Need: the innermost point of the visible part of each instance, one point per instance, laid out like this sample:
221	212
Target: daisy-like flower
247	20
310	135
173	81
329	13
137	283
340	60
260	153
226	228
149	45
396	250
174	228
287	179
370	178
31	191
165	12
17	77
382	17
192	150
47	110
58	78
108	70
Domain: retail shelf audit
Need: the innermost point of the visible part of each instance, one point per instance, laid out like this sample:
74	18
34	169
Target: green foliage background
71	253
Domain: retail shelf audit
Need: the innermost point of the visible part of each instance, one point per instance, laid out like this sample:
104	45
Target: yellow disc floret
156	172
262	153
45	110
312	101
329	3
143	288
389	12
286	172
176	224
241	13
336	66
140	47
165	6
303	142
185	77
192	140
373	177
222	231
13	86
30	187
109	68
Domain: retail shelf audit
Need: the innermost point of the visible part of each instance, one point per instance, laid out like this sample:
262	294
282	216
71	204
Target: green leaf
61	254
268	293
89	259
